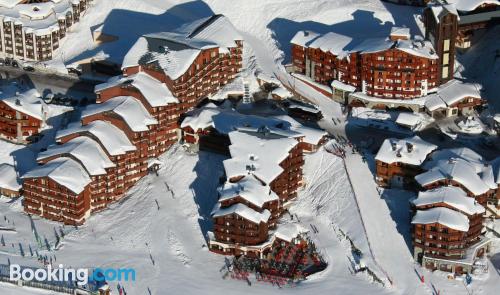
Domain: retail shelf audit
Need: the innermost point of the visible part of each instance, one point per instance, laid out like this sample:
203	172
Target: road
56	83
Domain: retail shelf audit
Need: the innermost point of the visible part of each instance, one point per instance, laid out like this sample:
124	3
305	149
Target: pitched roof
444	216
257	155
114	140
243	211
8	178
65	171
155	92
452	196
127	107
175	51
412	151
86	150
249	189
458	170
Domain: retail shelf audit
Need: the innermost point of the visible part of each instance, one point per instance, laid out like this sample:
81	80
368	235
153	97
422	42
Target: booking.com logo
81	275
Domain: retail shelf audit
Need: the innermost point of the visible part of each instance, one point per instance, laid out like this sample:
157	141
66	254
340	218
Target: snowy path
388	245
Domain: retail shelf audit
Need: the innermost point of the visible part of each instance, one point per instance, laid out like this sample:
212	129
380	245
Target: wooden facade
209	72
233	234
17	126
48	199
24	43
390	73
397	173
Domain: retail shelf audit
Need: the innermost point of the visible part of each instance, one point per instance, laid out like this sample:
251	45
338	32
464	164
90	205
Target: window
446	58
445	73
446	45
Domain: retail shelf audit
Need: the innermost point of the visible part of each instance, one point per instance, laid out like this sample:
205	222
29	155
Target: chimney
394	146
398	154
409	147
18	102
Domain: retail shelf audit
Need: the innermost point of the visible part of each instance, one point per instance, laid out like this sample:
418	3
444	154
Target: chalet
461	167
10	185
22	114
454	98
263	175
447	230
33	29
398	161
58	190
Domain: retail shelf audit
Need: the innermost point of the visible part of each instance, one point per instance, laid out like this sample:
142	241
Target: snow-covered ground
166	244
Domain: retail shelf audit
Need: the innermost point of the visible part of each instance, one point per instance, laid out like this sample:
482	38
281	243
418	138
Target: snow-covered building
135	118
58	190
454	98
395	67
22	114
464	168
447	230
209	126
120	151
10	185
263	176
469	15
92	157
194	61
398	161
33	29
155	96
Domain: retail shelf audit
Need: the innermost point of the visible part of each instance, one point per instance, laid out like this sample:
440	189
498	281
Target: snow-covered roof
469	5
257	155
412	151
65	171
282	92
28	102
41	18
175	52
475	162
400	32
310	135
288	232
439	10
86	150
341	45
302	38
332	42
114	140
249	189
156	93
201	118
408	119
444	216
458	170
8	178
216	28
342	86
452	196
451	93
243	211
127	107
225	120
